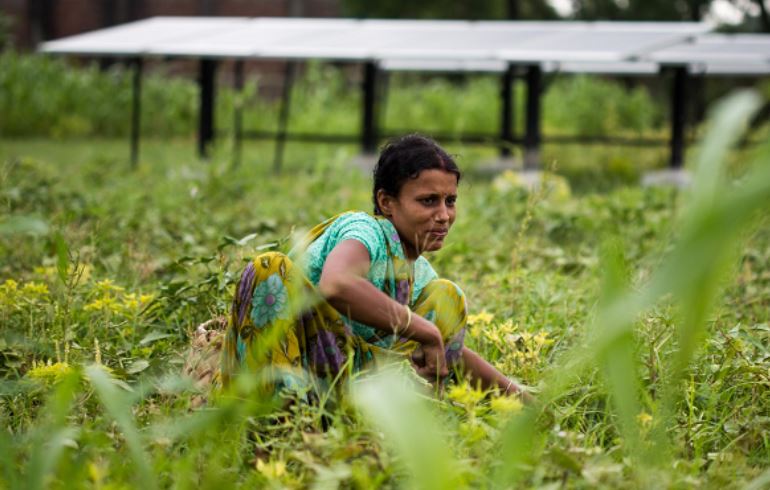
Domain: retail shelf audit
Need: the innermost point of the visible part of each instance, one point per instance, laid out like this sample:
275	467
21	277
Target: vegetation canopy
638	315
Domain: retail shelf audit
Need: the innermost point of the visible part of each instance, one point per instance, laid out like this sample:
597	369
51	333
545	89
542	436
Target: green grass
640	315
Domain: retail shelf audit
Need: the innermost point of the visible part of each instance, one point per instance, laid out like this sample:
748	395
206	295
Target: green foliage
40	95
6	30
639	316
43	96
652	10
587	106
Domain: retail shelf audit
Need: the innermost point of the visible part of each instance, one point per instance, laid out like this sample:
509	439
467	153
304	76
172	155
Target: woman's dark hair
404	158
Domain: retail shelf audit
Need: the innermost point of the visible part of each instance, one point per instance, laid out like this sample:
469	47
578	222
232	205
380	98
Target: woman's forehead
432	180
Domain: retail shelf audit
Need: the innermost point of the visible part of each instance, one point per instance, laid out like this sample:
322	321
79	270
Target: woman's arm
344	285
489	377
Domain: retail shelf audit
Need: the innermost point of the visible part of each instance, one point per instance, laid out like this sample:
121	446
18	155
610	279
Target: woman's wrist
422	331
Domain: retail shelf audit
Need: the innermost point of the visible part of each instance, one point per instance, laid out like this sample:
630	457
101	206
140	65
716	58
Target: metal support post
283	117
238	113
136	110
207	83
369	119
506	121
678	116
532	136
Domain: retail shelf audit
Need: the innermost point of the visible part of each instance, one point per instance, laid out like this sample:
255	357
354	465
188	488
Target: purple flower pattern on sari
402	292
243	296
454	348
325	355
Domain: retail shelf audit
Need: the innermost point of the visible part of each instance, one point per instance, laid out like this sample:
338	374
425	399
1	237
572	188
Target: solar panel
569	47
614	68
601	42
254	37
449	66
728	69
137	38
454	66
716	49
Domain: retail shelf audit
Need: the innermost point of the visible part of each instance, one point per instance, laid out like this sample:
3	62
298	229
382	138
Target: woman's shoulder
355	218
350	225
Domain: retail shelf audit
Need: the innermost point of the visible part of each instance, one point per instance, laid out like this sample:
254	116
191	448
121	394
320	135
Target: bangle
510	382
408	317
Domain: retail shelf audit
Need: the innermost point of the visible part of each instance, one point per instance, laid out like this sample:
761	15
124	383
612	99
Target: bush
44	96
590	106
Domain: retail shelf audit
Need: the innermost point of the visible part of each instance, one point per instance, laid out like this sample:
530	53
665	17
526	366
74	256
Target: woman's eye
428	200
451	201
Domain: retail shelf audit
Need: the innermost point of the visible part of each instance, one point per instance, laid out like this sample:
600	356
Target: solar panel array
589	47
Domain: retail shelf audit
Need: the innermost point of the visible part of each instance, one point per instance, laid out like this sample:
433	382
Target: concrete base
532	179
498	166
364	162
676	177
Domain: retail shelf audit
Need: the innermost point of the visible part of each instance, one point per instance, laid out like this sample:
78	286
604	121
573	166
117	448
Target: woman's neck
410	252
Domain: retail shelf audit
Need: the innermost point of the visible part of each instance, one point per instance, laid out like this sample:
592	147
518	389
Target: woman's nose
442	214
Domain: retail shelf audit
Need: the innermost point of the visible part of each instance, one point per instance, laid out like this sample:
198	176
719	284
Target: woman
365	291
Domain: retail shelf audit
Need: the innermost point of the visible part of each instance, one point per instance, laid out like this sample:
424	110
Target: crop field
639	317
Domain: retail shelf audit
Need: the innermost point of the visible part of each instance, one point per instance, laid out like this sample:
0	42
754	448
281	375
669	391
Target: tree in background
441	9
764	17
756	18
6	26
689	10
756	13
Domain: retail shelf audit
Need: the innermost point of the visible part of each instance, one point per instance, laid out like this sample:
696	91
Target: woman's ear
384	202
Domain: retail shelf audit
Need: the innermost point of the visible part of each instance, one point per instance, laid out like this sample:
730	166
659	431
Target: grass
640	315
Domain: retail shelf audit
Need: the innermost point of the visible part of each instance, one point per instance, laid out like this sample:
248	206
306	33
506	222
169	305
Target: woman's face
423	211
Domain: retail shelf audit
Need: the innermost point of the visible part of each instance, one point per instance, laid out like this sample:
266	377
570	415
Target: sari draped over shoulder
283	330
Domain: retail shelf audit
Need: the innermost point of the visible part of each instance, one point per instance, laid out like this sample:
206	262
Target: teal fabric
372	233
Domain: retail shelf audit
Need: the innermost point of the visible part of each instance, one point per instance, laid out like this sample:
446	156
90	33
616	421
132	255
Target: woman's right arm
345	286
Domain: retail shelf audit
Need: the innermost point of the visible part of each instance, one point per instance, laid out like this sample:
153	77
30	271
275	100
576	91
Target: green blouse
372	232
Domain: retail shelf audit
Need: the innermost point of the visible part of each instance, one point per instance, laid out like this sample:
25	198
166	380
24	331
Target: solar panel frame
480	46
253	39
716	49
136	38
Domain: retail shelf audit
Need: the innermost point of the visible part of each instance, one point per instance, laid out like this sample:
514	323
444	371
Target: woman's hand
434	367
429	358
489	377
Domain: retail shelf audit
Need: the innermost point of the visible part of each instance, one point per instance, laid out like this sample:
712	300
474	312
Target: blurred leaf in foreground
392	404
23	225
714	220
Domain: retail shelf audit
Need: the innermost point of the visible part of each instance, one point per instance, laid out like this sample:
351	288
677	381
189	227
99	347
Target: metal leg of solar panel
369	117
383	85
238	113
507	116
678	116
136	110
283	116
207	83
532	135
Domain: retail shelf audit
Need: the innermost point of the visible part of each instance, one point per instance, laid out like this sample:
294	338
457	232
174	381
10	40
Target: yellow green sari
281	328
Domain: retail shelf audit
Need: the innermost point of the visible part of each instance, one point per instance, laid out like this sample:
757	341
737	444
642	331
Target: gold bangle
408	317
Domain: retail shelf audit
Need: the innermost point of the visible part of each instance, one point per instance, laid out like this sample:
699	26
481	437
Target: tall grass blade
119	408
50	438
517	448
392	405
711	229
9	475
617	356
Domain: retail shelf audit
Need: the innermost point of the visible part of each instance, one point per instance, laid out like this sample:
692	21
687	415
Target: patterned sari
281	328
